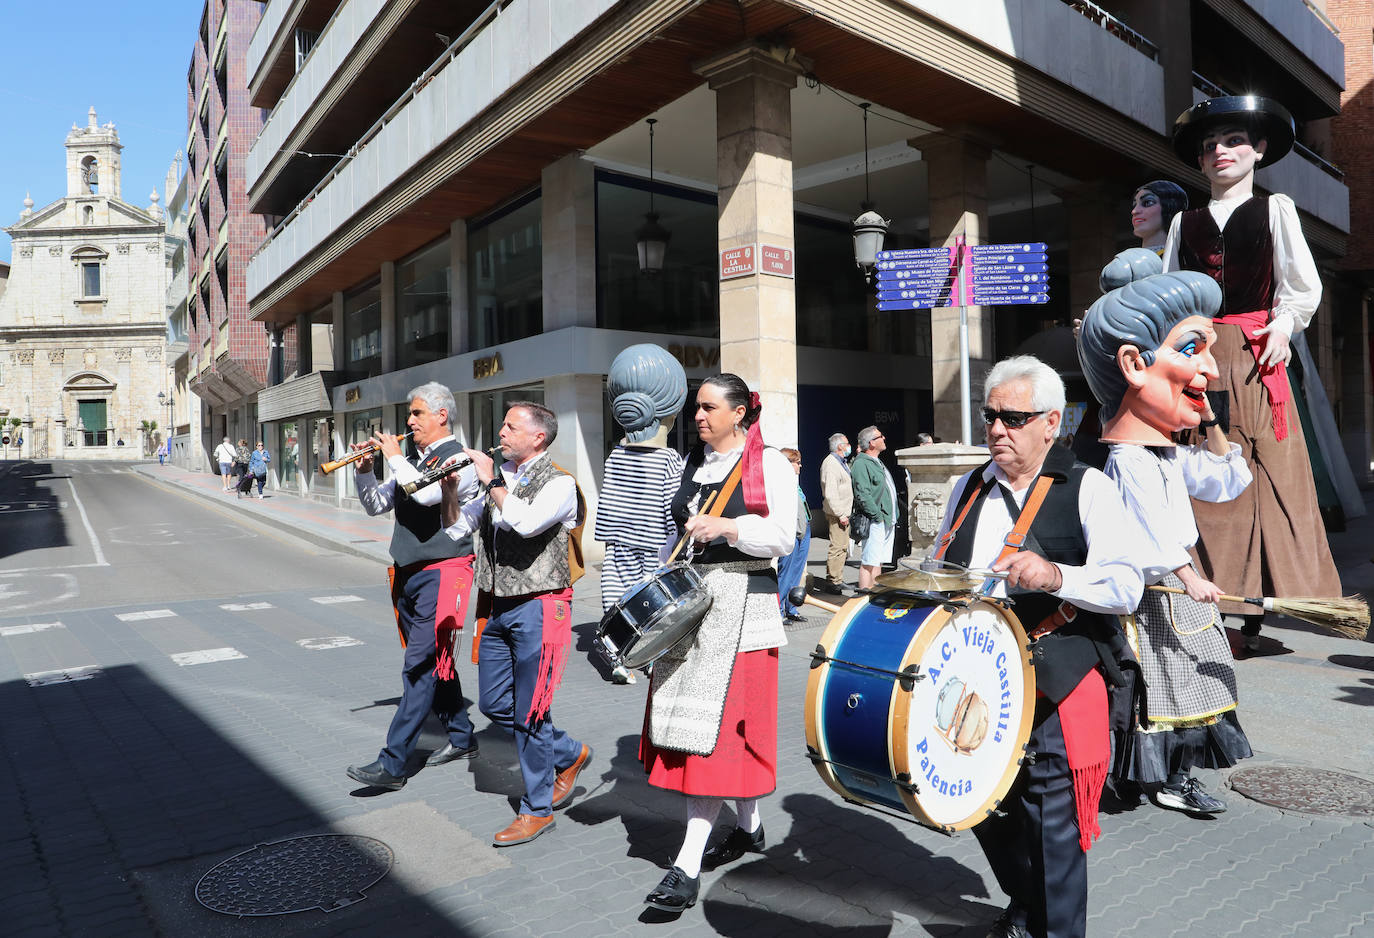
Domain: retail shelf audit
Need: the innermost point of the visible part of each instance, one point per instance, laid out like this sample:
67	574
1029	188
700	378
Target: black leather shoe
373	774
675	892
1006	925
736	845
450	753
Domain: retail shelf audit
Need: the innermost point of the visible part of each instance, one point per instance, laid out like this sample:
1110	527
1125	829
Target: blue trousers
508	672
791	569
421	691
1034	850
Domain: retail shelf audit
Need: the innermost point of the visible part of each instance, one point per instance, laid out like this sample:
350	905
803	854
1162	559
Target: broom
1347	617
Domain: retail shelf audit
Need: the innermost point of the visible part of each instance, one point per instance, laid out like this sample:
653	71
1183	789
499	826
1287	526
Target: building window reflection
363	332
489	411
288	455
505	275
422	306
682	299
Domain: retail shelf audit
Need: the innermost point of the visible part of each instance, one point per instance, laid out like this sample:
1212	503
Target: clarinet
430	476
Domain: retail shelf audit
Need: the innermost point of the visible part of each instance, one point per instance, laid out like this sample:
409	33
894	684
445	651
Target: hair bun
634	410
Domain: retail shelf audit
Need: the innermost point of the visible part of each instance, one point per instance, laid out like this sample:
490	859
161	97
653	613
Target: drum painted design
944	747
653	616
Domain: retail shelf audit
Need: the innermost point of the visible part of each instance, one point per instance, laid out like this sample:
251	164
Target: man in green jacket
875	494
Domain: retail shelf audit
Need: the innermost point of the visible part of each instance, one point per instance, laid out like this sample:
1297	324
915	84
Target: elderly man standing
525	573
875	494
837	499
1072	576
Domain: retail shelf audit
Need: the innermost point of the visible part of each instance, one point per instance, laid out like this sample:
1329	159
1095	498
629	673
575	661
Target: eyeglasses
1011	419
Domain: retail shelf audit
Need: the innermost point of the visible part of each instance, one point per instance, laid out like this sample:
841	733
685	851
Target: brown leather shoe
563	785
523	829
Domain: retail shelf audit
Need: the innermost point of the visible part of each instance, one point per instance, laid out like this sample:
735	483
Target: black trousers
1034	850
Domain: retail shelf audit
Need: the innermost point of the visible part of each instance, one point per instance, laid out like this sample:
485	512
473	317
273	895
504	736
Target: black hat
1272	119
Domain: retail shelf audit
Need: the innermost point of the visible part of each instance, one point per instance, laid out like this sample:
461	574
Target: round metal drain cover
320	871
1314	791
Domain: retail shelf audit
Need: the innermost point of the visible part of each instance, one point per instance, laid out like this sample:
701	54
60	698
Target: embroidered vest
418	535
511	565
1240	258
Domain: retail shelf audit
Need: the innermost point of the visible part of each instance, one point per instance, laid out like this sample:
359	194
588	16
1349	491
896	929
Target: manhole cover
321	871
1315	791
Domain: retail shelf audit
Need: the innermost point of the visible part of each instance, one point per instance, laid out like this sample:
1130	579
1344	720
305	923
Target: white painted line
29	629
66	566
90	531
324	644
245	607
334	600
62	675
207	656
145	614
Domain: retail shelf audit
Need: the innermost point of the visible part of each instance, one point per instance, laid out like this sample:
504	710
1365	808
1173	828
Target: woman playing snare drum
711	723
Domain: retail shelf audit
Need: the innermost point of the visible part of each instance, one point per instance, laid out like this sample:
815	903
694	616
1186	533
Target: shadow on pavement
119	799
30	518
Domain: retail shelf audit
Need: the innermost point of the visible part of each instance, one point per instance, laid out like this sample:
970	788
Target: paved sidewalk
261	747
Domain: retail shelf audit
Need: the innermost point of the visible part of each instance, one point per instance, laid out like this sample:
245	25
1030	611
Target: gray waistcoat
511	565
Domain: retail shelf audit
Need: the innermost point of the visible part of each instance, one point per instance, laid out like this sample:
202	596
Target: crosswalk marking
146	614
245	607
323	644
207	656
29	629
63	675
334	600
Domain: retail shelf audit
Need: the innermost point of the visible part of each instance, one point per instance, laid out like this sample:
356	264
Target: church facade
83	323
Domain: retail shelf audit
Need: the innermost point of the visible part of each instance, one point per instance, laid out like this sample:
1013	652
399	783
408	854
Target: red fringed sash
455	585
1083	717
1273	377
553	654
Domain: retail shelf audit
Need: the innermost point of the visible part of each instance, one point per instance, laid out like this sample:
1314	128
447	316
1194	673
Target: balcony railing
1111	24
1316	11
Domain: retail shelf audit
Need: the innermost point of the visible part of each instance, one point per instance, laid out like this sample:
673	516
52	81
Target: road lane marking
207	656
11	630
245	607
90	531
335	600
324	644
42	595
62	675
145	614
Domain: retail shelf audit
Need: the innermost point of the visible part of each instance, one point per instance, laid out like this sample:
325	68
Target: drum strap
715	505
1016	538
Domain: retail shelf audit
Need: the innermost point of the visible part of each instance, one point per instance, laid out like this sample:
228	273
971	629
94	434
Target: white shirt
556	503
380	497
1297	285
1110	582
225	452
1155	483
773	536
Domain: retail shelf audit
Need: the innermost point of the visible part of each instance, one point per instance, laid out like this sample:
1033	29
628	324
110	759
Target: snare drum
921	706
653	616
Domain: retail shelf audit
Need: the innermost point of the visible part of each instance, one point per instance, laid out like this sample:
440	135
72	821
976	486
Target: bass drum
921	706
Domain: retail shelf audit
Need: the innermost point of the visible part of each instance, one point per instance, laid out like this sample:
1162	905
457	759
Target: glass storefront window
489	411
288	455
361	426
506	275
422	306
682	299
321	451
363	332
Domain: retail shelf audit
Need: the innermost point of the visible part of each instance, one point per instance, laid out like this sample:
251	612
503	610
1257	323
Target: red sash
556	610
455	585
1083	718
1273	377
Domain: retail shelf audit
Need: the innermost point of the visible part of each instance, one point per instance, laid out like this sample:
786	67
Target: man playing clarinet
431	577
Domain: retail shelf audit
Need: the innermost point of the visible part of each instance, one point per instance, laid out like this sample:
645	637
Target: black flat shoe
733	847
450	753
675	892
373	774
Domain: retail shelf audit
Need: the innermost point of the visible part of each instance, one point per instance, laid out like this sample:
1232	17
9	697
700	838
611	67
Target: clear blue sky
59	59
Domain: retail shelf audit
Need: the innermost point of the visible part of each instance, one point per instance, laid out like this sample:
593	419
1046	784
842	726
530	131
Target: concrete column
956	162
758	313
458	287
305	344
1357	390
568	209
340	352
1098	214
581	444
388	291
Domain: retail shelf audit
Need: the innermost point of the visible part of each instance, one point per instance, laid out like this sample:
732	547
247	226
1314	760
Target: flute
430	476
372	448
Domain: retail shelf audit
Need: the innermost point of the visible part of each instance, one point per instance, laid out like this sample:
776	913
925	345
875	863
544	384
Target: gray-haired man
837	499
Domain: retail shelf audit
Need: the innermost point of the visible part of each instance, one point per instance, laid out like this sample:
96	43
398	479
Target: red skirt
744	763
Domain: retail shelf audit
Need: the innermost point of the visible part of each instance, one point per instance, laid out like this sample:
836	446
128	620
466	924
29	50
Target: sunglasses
1011	419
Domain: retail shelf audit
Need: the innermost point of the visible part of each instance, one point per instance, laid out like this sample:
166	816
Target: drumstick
705	507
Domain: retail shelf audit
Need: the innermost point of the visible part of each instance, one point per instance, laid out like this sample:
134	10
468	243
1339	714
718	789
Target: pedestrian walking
258	460
224	455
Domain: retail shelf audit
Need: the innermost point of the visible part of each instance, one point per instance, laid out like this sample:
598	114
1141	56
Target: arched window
90	177
87	215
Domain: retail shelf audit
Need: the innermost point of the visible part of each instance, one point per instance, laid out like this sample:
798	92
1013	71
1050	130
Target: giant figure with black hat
1270	541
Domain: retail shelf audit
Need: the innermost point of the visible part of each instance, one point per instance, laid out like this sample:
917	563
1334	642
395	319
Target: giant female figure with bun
711	722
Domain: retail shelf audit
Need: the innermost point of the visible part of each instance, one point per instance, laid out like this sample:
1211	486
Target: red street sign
775	260
738	262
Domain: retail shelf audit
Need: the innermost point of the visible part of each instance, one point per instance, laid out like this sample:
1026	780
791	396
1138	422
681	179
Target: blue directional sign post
964	275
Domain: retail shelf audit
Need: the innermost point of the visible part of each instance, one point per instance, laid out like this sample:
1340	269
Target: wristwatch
497	482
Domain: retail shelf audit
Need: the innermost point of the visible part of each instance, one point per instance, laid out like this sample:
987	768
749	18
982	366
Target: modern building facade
82	329
227	356
460	191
